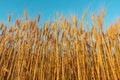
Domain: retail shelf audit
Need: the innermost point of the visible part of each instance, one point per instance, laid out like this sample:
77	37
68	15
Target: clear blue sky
48	8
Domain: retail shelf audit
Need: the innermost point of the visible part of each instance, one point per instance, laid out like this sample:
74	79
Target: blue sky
48	8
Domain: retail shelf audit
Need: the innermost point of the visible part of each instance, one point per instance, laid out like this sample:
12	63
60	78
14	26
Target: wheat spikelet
92	17
38	18
25	14
99	21
74	20
84	15
1	26
103	13
9	18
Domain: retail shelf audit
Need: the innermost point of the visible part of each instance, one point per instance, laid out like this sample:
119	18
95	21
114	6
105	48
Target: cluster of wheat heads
61	50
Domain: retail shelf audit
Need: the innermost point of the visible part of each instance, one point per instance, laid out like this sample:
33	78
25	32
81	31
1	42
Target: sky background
48	8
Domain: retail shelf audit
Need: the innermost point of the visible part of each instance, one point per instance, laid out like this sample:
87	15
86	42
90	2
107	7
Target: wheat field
60	50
